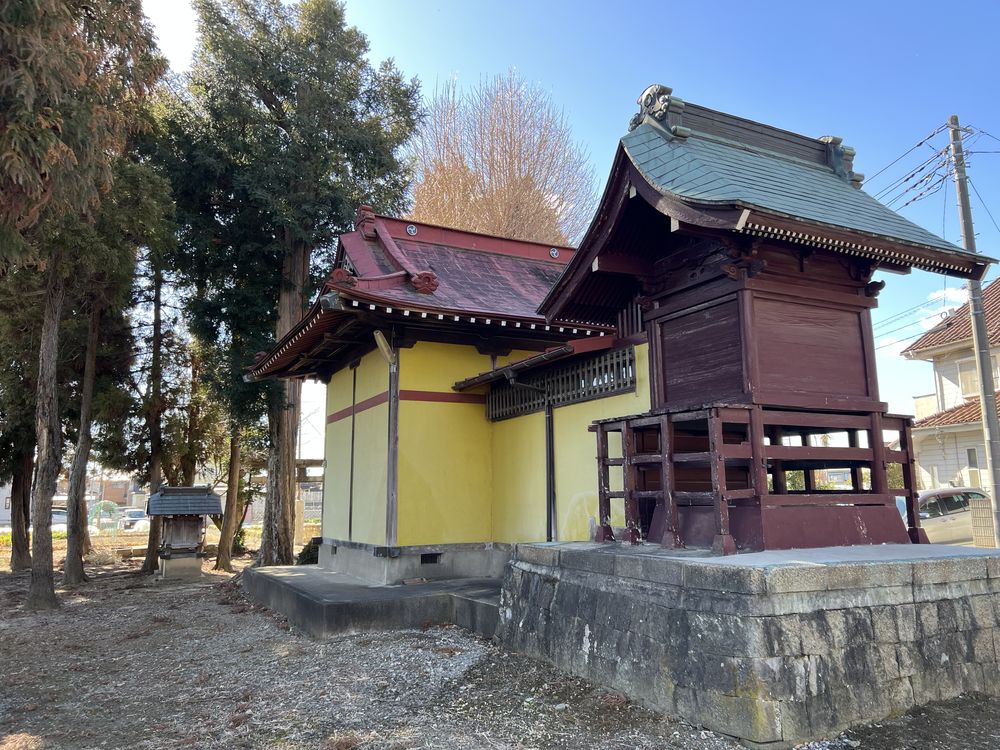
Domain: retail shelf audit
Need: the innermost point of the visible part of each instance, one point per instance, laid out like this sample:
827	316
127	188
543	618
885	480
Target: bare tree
500	159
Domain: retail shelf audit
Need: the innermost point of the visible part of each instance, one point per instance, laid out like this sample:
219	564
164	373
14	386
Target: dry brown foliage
500	159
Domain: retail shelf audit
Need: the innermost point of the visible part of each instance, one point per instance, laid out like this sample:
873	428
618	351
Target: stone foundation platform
773	648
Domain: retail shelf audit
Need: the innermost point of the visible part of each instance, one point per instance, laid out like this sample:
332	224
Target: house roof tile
965	413
957	327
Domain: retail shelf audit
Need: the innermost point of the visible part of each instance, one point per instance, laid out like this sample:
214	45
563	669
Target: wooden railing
740	457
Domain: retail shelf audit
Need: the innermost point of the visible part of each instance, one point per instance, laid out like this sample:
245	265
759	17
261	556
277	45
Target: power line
900	341
893	318
912	174
903	156
988	212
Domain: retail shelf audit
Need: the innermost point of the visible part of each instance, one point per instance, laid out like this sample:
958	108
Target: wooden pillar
913	529
880	483
632	533
723	543
665	526
758	469
604	532
808	479
777	467
857	484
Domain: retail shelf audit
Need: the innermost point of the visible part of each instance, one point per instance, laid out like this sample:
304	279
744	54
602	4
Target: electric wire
903	156
988	212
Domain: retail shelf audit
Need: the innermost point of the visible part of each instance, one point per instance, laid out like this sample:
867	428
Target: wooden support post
808	478
604	532
880	483
723	543
665	526
758	472
777	468
632	533
913	529
857	483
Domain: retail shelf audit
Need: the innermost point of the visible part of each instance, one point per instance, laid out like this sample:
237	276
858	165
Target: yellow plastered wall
445	474
519	465
462	478
519	479
371	455
337	451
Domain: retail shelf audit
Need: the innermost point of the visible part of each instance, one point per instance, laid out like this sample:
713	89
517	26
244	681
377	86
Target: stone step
477	611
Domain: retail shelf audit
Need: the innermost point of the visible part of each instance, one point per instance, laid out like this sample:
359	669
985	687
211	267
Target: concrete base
391	565
326	604
180	567
773	648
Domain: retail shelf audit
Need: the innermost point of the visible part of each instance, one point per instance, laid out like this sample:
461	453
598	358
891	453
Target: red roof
394	267
407	264
967	413
957	327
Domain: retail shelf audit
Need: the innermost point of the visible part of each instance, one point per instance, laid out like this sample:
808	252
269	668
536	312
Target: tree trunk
153	414
283	421
76	504
41	594
188	460
231	518
20	507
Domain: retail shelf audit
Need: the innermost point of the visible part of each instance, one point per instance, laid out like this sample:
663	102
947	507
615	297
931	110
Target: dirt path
126	663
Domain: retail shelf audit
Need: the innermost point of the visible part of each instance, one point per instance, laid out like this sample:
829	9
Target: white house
4	506
948	433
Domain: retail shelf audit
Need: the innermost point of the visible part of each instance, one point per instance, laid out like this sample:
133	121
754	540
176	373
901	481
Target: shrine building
680	379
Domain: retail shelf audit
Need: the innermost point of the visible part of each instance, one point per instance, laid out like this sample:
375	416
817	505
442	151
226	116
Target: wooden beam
623	264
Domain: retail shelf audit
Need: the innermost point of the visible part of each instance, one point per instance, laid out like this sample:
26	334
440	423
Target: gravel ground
128	663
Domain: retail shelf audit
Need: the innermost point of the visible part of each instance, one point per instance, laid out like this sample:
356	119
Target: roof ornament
424	282
341	275
841	160
364	222
656	103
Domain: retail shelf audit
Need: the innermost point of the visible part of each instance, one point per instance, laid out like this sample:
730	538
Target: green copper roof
709	169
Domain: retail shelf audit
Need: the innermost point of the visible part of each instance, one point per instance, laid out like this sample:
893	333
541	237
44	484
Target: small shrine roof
184	501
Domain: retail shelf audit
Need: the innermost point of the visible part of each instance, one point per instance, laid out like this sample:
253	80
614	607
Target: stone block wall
770	653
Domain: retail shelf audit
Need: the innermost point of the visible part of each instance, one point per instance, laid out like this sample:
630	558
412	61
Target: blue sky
883	75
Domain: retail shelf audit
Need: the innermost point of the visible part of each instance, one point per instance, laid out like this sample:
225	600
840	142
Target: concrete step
477	610
326	604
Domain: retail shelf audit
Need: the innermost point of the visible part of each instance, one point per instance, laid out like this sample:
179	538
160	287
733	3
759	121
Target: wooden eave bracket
621	264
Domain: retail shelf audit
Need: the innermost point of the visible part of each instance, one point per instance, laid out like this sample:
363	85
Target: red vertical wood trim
917	535
667	480
751	372
604	531
631	533
879	480
723	542
657	366
808	477
856	480
868	341
777	466
759	469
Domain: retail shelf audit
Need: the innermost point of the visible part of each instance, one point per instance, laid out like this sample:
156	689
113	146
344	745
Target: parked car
60	521
945	513
133	519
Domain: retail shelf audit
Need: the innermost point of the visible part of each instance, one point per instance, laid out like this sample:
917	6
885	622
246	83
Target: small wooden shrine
182	539
745	255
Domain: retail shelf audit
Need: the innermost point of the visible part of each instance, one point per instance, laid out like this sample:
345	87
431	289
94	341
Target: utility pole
980	337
